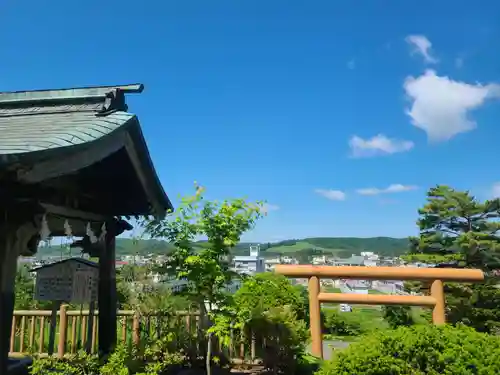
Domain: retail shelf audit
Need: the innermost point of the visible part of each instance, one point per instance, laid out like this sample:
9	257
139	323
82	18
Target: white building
319	259
271	263
249	264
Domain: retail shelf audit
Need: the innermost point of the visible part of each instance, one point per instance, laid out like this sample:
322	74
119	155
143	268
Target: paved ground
329	345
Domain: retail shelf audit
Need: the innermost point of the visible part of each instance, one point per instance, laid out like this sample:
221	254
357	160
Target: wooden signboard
72	280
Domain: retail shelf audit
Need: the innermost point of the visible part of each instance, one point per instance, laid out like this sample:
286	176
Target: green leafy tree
268	290
273	310
206	269
25	288
456	227
398	316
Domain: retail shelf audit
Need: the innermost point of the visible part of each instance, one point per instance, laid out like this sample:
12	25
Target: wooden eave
52	136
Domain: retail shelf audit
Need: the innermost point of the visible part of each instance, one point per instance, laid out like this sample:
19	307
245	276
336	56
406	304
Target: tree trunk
208	360
206	325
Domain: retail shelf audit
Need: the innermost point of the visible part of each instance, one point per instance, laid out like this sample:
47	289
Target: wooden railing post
438	312
136	329
41	338
63	329
315	317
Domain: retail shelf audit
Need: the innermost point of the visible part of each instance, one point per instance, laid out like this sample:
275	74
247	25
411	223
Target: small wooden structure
71	280
435	276
71	158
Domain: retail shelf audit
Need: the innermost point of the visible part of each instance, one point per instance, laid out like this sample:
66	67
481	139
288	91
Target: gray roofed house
354	260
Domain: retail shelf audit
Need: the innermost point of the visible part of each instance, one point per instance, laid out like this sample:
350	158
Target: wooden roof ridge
73	259
65	94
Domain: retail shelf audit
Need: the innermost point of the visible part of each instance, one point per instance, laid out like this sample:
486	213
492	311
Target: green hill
340	246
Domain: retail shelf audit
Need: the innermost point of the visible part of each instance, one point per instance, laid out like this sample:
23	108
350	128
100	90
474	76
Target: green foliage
79	364
343	323
398	316
455	226
419	350
223	223
271	309
265	291
206	270
25	289
284	338
153	360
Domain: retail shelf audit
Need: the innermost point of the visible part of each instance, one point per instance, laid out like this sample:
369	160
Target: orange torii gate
434	276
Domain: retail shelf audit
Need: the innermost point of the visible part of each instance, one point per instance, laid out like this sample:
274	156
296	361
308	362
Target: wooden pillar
107	303
315	317
438	313
8	268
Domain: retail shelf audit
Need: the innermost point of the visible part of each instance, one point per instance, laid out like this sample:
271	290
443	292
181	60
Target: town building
249	264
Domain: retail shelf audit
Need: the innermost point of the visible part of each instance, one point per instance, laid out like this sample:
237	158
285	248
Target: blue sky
339	113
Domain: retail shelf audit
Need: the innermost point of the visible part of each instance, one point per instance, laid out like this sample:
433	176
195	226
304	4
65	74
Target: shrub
398	316
284	338
419	350
342	324
269	307
150	361
267	290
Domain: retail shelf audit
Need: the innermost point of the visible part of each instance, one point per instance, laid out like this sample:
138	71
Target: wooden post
8	268
63	330
41	338
107	294
315	317
90	328
438	312
136	334
52	328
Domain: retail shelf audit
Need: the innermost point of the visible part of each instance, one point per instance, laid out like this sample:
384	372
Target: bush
419	350
150	361
267	290
398	316
342	324
271	309
283	336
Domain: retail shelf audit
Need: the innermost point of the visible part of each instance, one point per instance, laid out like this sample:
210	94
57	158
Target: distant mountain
339	246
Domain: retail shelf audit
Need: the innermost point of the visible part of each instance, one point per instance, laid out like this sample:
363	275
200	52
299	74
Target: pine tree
458	230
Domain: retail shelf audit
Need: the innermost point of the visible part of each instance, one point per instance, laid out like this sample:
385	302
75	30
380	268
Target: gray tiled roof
30	132
51	124
40	120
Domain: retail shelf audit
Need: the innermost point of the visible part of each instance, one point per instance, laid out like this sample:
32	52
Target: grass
301	245
370	318
374	291
331	289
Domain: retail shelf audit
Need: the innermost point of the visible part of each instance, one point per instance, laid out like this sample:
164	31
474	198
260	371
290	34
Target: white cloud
422	46
267	207
440	105
334	195
377	145
394	188
495	190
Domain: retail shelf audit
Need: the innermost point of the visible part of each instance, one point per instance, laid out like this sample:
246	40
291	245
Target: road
329	345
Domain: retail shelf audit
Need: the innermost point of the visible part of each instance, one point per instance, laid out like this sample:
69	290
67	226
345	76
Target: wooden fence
31	331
